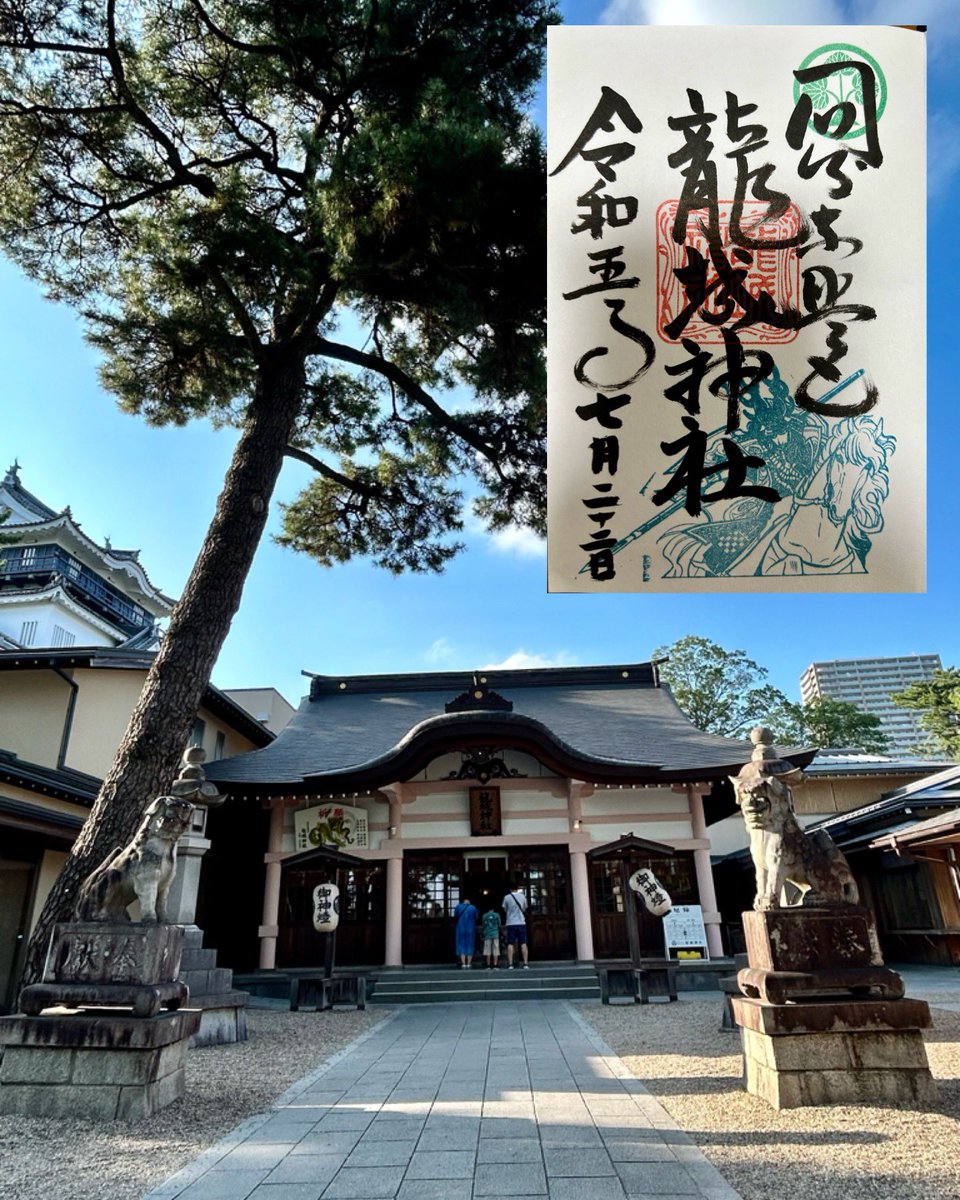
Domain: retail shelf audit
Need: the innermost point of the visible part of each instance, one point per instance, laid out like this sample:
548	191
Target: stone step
197	959
436	995
202	983
419	985
570	982
489	979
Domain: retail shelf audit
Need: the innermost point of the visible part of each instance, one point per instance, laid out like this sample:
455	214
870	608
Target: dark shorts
516	935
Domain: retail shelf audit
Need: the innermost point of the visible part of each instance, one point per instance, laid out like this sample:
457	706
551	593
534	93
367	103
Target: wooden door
543	874
361	932
432	881
677	876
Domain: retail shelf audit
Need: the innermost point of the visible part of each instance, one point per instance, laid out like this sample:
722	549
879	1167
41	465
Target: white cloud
441	651
524	543
521	658
709	12
942	16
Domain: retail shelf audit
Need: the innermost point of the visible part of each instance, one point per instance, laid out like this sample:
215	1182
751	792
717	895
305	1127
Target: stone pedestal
822	1020
99	1065
835	1052
803	953
112	964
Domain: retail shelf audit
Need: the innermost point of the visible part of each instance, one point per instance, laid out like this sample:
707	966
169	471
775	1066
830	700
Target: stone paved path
460	1102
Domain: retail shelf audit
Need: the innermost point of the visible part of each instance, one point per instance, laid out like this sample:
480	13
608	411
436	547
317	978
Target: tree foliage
828	723
721	691
214	184
310	219
937	700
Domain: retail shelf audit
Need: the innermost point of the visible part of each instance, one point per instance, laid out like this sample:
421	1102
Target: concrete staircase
437	985
443	984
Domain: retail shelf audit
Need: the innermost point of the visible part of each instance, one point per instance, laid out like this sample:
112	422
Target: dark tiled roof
942	825
62	782
20	813
29	501
597	723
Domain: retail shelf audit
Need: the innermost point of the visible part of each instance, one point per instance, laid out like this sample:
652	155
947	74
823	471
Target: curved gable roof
613	723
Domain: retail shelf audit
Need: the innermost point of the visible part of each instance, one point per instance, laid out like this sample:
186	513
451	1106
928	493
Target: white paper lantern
651	892
326	907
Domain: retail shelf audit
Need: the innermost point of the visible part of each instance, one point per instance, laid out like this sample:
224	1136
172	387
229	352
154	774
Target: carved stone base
116	952
111	964
797	953
847	1052
98	1065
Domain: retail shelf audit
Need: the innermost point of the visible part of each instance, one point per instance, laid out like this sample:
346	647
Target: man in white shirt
515	907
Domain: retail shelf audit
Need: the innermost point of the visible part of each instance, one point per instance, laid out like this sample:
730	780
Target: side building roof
608	723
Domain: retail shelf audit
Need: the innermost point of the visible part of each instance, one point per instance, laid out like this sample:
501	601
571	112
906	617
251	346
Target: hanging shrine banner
736	309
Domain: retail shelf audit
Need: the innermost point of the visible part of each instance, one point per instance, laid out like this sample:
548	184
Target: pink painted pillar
701	863
393	948
271	892
581	905
393	955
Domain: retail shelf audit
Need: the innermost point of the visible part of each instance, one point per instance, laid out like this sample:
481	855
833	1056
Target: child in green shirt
491	938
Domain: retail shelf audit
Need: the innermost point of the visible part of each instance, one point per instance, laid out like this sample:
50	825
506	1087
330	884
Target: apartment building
868	683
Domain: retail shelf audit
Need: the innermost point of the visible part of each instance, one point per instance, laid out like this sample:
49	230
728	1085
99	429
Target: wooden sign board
684	934
485	812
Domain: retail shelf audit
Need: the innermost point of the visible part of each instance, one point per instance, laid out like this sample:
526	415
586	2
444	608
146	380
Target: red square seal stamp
776	272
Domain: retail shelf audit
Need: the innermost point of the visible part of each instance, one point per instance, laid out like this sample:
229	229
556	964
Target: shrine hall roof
609	723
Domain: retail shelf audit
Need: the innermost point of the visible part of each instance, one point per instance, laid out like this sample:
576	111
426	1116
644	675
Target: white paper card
736	309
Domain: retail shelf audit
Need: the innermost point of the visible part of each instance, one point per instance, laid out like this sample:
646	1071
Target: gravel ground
843	1153
48	1159
836	1153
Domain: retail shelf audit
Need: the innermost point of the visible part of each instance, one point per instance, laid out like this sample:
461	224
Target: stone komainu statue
783	854
142	871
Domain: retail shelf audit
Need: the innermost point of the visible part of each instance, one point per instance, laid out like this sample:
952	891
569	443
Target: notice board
683	932
736	309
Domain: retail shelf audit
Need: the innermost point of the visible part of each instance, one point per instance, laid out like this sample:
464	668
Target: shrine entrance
487	878
436	880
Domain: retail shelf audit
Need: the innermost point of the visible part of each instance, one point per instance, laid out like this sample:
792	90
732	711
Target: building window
28	633
27	556
196	734
61	637
218	744
433	886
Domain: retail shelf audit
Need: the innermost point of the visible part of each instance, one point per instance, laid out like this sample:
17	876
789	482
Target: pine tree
222	189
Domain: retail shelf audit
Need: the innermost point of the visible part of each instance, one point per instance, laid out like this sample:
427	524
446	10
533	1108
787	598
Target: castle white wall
56	625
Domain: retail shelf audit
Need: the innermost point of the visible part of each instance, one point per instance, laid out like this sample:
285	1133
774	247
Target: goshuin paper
736	309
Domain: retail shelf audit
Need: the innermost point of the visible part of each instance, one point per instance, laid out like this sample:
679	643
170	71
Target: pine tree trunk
147	758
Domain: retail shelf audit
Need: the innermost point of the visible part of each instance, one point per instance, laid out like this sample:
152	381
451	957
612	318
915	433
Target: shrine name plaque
485	812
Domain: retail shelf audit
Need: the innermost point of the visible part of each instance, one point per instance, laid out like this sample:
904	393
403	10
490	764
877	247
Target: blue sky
156	488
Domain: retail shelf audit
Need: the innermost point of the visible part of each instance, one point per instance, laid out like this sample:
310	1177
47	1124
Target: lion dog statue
783	854
142	871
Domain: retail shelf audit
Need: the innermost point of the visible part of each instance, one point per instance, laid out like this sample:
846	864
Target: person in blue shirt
465	934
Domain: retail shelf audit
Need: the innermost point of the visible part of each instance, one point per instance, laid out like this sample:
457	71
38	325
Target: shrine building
451	786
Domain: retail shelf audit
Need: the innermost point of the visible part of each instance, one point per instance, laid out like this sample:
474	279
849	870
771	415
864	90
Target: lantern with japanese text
326	907
651	892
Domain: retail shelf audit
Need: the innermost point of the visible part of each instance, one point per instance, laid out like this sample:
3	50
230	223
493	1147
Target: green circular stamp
844	86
